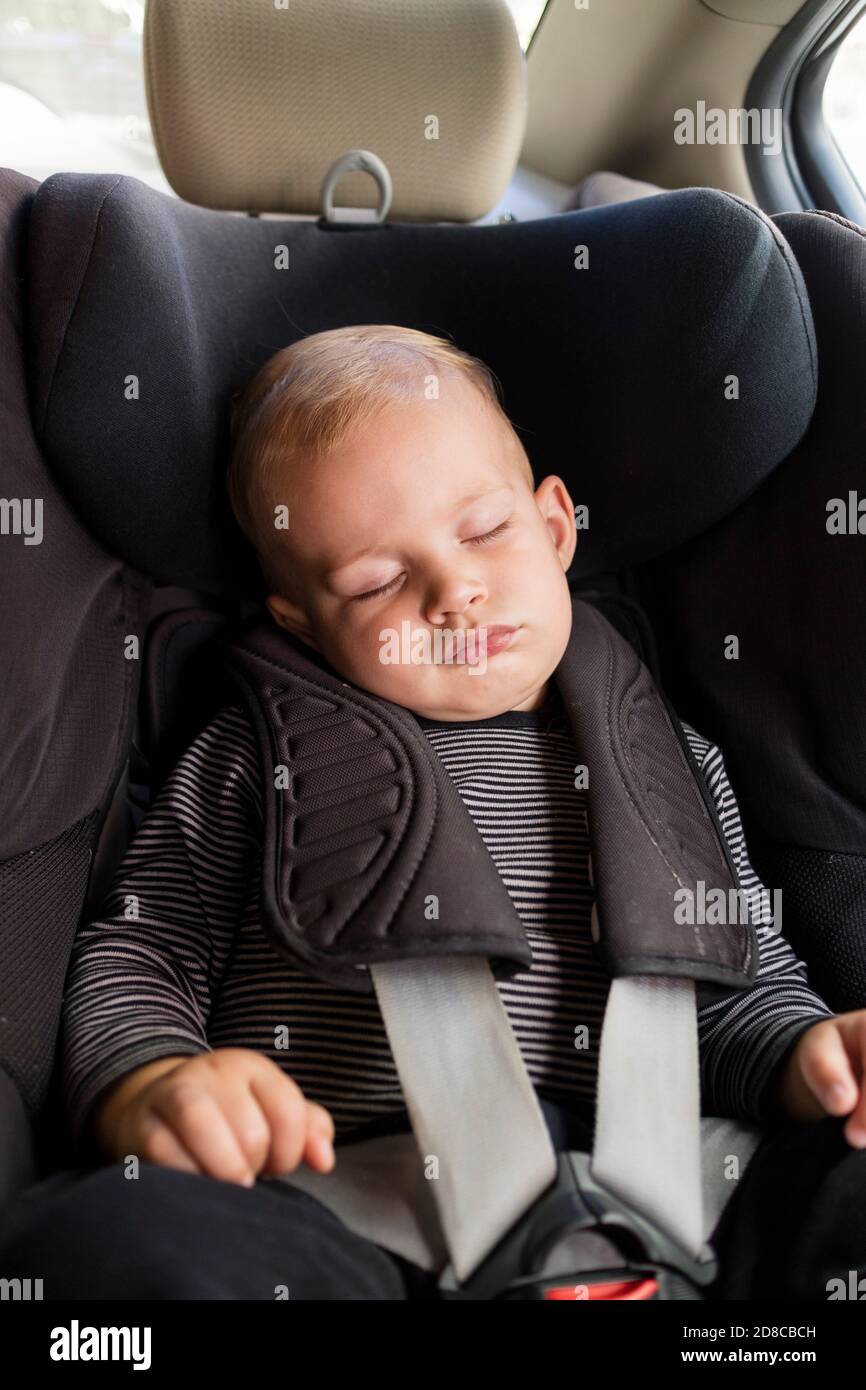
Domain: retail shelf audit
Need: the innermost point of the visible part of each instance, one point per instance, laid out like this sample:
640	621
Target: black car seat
130	319
791	712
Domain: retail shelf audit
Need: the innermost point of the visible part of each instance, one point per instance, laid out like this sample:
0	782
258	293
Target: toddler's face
425	517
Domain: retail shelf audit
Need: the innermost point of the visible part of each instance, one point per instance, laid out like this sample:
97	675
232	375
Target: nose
452	595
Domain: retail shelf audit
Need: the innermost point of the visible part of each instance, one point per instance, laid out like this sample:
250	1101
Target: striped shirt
179	963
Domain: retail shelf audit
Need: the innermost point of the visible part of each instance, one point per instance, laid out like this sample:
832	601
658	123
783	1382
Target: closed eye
384	589
488	535
392	583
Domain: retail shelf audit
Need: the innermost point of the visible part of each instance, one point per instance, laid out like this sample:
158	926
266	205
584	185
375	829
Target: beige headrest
251	101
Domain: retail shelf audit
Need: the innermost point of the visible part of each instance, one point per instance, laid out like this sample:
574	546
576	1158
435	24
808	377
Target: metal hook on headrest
371	164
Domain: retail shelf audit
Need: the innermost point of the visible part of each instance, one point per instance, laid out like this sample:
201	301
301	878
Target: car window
844	101
72	89
526	13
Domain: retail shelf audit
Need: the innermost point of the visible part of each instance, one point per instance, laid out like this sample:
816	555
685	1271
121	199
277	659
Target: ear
292	618
554	502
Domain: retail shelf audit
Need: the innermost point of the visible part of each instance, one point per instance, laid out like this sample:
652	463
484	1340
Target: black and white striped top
179	962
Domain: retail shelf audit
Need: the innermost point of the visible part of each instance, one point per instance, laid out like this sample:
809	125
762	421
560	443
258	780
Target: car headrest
663	371
251	104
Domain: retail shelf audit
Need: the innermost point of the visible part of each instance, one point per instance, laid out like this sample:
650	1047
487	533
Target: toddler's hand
230	1113
824	1074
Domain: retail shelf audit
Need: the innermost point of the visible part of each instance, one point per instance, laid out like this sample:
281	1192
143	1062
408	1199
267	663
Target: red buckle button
623	1289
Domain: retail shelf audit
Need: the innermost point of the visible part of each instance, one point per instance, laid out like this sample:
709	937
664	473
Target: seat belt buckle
538	1257
611	1290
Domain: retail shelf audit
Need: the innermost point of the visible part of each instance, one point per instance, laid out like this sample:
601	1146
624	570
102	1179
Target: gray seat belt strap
647	1146
460	1066
474	1112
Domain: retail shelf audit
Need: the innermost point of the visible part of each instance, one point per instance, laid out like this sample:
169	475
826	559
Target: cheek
359	656
539	559
357	638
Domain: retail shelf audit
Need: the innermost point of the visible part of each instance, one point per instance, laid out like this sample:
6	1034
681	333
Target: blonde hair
308	397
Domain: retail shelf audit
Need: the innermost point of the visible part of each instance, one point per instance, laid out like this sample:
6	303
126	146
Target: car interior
646	216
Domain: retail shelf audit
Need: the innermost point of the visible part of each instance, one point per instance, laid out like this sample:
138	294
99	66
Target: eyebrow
462	505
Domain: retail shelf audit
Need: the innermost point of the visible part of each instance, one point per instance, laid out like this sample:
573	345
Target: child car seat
795	729
144	314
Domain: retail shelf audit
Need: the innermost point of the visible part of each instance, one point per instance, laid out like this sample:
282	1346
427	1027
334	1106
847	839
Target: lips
498	637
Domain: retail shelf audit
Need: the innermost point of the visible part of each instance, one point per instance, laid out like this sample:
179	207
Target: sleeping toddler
381	483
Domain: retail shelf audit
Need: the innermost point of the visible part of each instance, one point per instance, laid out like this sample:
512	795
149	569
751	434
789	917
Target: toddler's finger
855	1130
248	1121
196	1119
319	1153
320	1120
827	1071
319	1150
284	1107
159	1145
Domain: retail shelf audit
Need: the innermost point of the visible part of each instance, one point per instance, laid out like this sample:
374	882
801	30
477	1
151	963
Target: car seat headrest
251	104
657	355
